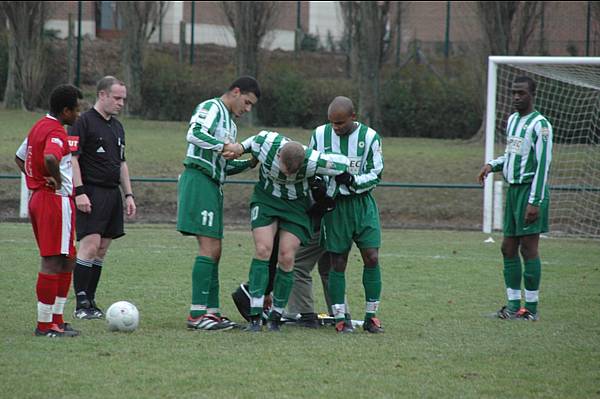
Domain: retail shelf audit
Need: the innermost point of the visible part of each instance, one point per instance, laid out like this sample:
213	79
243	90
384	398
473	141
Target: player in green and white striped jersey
209	159
356	217
525	166
279	205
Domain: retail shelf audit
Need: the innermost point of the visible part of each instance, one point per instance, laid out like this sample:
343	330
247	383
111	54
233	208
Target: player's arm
366	181
21	154
236	166
203	126
332	164
76	143
53	150
130	207
543	155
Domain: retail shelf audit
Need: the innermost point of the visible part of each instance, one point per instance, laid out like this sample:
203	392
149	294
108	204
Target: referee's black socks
81	280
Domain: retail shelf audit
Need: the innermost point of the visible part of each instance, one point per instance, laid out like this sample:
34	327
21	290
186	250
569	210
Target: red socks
46	289
64	283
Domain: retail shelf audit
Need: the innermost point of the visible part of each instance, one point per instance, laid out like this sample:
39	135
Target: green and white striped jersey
528	153
265	146
363	149
210	128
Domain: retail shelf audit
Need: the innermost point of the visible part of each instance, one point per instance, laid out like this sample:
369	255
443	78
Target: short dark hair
64	96
246	84
106	83
530	83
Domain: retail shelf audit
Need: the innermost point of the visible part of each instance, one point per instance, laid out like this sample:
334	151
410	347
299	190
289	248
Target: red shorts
53	220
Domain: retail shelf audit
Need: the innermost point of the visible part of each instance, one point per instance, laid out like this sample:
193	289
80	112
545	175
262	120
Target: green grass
439	290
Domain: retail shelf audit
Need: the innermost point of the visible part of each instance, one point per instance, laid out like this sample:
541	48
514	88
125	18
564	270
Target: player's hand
236	148
83	203
52	182
253	161
130	207
531	213
229	155
486	170
345	178
318	189
268	302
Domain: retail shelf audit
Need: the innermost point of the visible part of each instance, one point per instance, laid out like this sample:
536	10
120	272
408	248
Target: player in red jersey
45	158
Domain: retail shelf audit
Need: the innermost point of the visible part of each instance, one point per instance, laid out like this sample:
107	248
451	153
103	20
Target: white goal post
568	94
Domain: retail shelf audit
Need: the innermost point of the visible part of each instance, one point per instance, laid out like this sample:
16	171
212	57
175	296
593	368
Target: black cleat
85	314
274	321
254	325
98	313
344	327
69	330
53	332
525	314
308	320
506	314
373	325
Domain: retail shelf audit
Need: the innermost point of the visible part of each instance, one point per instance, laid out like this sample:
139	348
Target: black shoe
53	332
85	314
274	322
525	314
98	313
254	325
506	314
309	320
373	325
344	327
69	330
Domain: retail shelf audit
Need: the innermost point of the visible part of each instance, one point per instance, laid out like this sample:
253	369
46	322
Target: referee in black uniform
99	168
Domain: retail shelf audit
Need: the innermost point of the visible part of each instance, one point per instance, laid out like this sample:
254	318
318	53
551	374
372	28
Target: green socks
337	291
532	278
372	283
282	287
512	280
258	280
201	281
213	293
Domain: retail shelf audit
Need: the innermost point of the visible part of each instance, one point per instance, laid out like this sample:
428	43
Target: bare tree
140	20
368	25
508	25
26	63
250	21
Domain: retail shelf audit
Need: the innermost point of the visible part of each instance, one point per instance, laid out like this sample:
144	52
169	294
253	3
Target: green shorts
199	205
354	219
517	198
291	214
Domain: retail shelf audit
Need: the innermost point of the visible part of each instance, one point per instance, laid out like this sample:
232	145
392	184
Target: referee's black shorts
106	217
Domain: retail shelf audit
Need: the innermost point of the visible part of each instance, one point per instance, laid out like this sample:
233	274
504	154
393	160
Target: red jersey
48	136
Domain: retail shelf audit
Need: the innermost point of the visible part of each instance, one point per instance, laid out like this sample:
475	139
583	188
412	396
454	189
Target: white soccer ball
122	316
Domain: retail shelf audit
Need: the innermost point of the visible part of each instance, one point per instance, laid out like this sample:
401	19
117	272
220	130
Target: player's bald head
342	105
291	157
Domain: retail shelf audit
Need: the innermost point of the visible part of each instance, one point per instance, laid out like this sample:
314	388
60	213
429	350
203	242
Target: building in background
564	30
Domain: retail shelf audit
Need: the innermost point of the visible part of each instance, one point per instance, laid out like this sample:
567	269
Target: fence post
498	205
24	201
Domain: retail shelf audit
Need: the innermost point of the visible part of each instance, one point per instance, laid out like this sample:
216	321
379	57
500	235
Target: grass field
440	341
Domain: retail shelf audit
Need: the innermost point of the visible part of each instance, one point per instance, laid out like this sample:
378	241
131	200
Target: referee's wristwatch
129	195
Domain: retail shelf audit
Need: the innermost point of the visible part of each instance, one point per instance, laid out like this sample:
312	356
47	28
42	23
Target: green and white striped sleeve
374	168
498	163
235	166
543	156
331	164
203	124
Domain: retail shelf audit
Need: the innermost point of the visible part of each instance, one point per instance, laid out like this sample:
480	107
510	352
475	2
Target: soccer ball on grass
122	316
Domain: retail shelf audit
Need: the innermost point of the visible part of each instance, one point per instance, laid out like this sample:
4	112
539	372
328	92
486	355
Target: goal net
568	95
